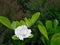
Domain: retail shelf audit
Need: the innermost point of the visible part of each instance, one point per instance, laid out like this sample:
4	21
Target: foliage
29	22
50	31
55	40
42	29
5	21
17	9
33	19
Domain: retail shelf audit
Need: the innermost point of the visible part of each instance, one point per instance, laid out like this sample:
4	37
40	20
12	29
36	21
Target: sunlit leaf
15	38
5	21
27	21
13	25
34	18
22	22
17	23
43	30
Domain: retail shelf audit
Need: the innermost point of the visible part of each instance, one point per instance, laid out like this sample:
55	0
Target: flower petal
22	32
21	37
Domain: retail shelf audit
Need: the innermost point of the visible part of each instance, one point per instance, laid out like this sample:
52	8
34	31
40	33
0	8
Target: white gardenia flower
22	32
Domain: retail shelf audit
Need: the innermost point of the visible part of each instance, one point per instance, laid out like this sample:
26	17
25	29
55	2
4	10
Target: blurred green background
18	9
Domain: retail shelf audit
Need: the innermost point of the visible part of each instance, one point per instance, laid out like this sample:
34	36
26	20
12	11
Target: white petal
29	31
22	32
21	27
21	37
24	27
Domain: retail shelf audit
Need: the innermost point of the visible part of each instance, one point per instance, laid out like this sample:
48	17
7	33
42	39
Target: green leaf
15	38
58	29
55	40
43	40
27	21
31	36
18	42
43	30
55	23
15	24
49	26
1	43
22	22
57	14
34	18
5	21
